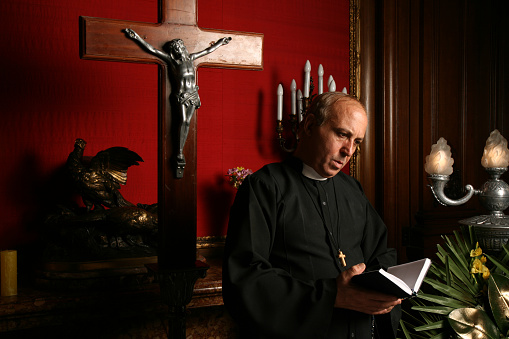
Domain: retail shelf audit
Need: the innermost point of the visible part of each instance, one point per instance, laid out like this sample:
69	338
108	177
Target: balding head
333	126
323	105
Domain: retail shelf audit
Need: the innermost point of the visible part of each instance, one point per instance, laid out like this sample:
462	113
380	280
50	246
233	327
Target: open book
402	281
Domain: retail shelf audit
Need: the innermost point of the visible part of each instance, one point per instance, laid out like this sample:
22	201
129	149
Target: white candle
280	102
293	88
320	79
8	273
344	90
332	86
299	104
495	152
307	78
329	81
439	161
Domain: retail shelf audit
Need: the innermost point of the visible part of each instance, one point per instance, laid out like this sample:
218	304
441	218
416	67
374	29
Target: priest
298	232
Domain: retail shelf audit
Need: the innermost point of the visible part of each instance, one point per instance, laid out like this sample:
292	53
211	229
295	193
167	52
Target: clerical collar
310	173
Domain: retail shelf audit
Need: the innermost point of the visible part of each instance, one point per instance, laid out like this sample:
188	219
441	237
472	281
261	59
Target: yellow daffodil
483	259
477	252
485	272
476	266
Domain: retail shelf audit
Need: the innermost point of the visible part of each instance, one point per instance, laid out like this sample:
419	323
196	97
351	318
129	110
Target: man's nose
349	147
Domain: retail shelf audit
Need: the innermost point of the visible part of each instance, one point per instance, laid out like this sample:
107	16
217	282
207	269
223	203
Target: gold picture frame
354	80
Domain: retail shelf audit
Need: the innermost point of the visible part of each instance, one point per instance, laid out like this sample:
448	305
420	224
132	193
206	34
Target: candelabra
300	103
295	117
492	229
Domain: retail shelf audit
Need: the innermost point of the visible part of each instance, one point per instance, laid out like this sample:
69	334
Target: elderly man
300	230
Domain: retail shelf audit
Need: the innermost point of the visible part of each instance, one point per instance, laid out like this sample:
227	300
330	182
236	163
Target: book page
412	273
397	281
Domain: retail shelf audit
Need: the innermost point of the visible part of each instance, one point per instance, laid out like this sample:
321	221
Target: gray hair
323	105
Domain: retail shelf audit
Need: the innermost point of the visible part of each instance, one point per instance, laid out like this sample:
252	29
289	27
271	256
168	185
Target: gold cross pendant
342	257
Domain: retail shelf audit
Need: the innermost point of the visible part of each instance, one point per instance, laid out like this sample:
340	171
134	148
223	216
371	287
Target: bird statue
98	182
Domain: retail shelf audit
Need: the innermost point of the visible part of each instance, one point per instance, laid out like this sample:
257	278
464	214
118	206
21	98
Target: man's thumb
357	269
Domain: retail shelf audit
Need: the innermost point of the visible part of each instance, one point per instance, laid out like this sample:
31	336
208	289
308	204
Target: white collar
310	173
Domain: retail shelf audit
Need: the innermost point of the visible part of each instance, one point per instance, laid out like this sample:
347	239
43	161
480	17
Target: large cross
104	39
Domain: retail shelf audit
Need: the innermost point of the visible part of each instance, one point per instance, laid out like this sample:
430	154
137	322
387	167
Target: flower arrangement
237	175
466	294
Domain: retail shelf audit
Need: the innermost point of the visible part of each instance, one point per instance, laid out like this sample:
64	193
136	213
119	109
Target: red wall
49	97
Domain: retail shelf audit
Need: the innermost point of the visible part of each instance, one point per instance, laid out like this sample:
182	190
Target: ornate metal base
177	287
491	231
487	220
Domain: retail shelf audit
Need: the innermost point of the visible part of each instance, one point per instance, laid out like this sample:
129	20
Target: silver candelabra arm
438	182
492	230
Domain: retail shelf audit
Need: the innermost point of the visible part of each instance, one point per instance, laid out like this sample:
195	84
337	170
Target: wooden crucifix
105	39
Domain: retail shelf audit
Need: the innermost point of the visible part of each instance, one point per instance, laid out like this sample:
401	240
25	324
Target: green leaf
498	289
436	325
447	272
443	310
503	258
498	264
506	250
459	270
472	236
470	323
404	329
408	334
459	255
437	271
452	292
471	289
444	301
465	248
424	318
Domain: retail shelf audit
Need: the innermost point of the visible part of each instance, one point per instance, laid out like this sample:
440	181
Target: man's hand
356	298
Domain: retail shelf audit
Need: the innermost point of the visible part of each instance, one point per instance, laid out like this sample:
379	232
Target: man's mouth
338	163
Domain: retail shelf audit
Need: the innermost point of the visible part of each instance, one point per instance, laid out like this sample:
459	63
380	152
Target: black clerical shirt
281	264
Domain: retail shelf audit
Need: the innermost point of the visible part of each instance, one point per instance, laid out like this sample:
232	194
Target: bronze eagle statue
98	181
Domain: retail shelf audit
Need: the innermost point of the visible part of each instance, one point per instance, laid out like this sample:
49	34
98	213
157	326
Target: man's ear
308	123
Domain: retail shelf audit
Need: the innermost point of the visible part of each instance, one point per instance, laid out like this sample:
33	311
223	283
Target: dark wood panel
367	92
440	70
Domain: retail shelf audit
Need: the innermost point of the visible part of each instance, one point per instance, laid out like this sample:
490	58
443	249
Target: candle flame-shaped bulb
332	86
495	152
344	90
320	79
439	161
320	70
330	80
293	86
293	89
280	102
307	66
307	78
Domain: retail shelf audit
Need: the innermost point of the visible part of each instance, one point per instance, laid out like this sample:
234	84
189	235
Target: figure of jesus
182	75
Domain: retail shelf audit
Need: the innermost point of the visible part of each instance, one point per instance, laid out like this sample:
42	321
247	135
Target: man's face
335	141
